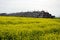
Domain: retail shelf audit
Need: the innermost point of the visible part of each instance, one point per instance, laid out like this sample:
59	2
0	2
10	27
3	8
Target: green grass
25	28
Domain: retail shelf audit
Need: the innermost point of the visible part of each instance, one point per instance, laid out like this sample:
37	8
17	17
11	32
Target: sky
10	6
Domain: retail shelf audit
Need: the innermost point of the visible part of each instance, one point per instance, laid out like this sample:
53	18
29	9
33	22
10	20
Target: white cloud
53	6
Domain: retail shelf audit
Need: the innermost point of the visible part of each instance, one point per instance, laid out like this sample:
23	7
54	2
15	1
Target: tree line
37	14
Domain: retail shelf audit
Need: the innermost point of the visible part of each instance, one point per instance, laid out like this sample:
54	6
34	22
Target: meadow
25	28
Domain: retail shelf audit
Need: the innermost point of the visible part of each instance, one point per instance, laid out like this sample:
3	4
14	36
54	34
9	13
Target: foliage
25	28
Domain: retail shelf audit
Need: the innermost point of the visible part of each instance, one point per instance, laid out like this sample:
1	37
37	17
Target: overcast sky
9	6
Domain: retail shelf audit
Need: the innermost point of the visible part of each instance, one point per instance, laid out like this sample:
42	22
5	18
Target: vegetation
21	28
35	14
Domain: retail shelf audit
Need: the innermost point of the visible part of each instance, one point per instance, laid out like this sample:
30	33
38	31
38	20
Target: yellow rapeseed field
25	28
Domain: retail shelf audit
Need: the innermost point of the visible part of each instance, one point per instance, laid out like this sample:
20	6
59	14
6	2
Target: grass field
21	28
